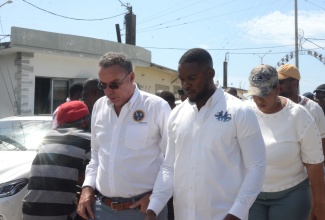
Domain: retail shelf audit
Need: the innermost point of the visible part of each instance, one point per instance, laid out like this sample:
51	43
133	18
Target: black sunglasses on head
113	85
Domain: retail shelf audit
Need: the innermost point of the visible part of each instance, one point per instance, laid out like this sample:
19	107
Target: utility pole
130	27
296	35
118	33
225	71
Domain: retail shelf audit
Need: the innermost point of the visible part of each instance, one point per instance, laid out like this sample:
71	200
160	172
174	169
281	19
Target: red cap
70	112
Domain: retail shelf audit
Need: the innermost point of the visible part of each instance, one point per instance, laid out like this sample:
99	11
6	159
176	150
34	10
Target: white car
20	137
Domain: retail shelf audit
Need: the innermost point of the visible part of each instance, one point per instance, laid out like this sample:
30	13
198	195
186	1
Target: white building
37	68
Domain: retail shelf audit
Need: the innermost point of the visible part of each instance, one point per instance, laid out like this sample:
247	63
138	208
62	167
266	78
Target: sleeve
253	151
163	188
309	138
92	167
320	120
163	114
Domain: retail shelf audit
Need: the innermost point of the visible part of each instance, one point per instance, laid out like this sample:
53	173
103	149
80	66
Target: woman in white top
292	142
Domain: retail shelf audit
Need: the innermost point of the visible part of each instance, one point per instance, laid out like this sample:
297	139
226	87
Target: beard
199	96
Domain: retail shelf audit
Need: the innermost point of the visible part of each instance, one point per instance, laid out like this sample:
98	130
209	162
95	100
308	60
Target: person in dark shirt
59	166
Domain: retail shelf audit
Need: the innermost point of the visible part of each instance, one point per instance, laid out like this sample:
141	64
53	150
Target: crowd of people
137	155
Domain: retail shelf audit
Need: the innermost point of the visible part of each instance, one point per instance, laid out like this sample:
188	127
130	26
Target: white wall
8	84
58	66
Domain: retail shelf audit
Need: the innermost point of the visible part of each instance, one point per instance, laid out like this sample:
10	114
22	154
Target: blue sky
242	31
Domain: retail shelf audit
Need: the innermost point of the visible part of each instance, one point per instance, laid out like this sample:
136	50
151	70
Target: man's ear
211	73
132	76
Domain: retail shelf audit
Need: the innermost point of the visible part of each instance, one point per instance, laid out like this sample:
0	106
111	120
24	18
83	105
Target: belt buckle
112	205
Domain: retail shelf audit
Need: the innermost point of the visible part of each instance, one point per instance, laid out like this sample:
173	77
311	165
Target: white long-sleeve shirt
127	151
215	160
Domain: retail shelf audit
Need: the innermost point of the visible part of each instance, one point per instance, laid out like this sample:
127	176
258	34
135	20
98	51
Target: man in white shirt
289	77
128	142
215	159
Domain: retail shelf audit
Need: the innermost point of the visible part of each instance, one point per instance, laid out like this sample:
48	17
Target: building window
49	94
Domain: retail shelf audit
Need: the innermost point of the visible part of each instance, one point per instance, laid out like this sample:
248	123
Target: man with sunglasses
128	143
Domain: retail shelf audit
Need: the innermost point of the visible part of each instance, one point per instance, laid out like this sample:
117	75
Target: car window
22	135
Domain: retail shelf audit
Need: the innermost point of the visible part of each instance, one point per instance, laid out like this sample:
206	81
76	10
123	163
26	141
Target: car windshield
22	135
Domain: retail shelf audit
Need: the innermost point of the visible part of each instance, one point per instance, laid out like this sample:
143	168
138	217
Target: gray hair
114	58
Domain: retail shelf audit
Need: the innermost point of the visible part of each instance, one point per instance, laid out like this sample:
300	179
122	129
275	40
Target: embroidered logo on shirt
138	115
223	117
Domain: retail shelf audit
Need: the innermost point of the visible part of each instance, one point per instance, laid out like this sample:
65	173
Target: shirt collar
134	97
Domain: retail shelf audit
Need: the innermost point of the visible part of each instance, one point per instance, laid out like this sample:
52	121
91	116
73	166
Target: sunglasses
113	85
282	81
319	98
181	92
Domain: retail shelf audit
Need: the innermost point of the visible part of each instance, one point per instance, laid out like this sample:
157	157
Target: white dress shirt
215	160
127	151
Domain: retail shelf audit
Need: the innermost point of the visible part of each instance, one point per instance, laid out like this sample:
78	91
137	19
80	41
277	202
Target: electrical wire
204	19
123	4
314	43
314	4
183	7
78	19
177	19
314	38
247	48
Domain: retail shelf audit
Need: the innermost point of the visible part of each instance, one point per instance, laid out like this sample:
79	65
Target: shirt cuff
156	206
239	210
89	182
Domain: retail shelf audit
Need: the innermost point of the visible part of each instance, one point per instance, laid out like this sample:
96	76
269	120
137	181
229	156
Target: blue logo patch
223	117
138	115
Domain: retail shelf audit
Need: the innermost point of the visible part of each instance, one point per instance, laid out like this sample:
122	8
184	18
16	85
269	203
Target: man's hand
231	217
151	215
86	202
143	203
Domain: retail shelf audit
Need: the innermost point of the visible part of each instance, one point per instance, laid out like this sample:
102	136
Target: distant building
240	92
37	68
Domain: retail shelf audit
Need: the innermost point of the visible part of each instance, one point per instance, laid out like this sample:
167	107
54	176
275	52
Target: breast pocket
136	137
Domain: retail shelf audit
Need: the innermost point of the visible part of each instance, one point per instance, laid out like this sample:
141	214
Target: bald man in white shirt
128	143
215	161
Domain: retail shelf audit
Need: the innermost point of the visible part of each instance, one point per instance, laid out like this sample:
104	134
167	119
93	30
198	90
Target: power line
157	13
123	4
315	38
177	19
314	43
78	19
195	21
314	4
227	49
255	21
195	3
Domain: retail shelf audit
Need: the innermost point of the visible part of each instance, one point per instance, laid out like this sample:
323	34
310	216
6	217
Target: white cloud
278	27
